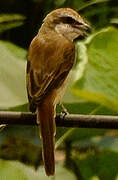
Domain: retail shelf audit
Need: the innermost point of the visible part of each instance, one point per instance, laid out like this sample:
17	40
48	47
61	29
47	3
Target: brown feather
45	116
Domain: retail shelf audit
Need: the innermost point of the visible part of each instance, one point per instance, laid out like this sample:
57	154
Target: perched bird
51	56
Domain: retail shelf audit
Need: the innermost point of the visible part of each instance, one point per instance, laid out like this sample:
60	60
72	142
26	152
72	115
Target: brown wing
47	67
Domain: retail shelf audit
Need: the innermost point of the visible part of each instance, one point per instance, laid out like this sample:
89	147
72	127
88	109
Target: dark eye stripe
70	20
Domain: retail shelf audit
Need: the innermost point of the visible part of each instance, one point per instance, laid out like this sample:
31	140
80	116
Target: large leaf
12	75
15	170
99	82
10	170
98	166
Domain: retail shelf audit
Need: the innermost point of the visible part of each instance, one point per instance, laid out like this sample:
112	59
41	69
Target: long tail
45	116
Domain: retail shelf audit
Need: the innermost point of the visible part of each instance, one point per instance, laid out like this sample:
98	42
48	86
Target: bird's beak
85	27
82	29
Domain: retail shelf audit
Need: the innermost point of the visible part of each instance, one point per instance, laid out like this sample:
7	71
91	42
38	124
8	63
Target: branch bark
70	120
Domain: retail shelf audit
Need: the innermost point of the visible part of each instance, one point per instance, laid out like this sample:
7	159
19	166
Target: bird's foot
64	112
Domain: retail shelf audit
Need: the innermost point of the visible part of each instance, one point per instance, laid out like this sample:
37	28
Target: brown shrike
50	59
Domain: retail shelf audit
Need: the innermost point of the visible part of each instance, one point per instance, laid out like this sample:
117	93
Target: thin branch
71	120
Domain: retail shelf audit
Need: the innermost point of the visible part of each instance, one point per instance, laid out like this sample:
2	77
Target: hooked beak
85	27
83	30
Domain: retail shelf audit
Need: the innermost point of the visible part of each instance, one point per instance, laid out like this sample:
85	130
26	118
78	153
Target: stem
62	138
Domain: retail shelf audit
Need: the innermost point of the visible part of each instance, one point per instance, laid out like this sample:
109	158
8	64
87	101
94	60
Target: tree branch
70	120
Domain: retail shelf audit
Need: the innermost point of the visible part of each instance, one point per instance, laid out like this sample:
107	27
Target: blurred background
82	154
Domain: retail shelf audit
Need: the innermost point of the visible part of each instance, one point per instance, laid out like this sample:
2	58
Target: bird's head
67	22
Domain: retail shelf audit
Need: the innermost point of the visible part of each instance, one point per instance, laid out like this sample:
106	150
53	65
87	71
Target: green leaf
99	82
59	2
10	26
9	21
10	170
20	108
102	165
107	142
11	17
12	76
114	21
92	2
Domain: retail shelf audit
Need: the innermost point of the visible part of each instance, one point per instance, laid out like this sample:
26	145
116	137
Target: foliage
9	21
18	171
27	152
12	80
96	165
93	89
100	76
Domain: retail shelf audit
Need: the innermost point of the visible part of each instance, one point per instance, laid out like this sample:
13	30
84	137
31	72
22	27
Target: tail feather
45	116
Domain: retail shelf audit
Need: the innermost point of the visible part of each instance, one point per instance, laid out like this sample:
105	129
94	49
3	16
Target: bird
51	56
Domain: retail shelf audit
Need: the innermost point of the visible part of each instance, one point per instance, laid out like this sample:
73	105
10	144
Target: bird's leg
2	126
64	111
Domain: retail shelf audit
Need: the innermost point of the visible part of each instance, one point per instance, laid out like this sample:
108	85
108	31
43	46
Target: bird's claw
64	112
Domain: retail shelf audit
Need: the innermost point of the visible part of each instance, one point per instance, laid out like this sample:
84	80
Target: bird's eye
68	20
